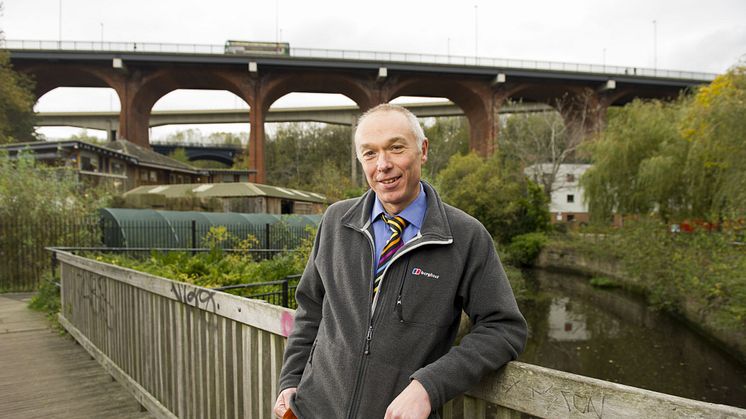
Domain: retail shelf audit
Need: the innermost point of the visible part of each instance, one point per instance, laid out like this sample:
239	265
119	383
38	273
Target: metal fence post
285	292
266	237
194	236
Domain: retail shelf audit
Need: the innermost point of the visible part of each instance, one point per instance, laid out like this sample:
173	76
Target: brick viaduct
143	78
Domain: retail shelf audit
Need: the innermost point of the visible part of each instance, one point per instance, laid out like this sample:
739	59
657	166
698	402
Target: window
570	178
143	174
117	167
570	218
153	176
570	198
89	163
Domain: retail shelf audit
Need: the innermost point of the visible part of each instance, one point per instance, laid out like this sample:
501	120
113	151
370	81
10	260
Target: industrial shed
242	197
146	228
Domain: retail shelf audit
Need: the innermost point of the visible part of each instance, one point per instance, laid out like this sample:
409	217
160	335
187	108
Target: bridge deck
45	375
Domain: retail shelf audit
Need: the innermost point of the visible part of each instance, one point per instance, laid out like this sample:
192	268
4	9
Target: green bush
47	300
506	203
523	249
603	282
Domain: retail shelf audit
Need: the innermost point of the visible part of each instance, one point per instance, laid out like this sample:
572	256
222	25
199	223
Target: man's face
392	162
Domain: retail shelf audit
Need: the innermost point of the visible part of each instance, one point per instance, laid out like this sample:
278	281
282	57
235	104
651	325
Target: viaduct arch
141	78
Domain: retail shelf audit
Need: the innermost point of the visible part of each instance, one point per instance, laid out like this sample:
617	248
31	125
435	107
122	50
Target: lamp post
59	24
102	34
655	45
277	21
476	34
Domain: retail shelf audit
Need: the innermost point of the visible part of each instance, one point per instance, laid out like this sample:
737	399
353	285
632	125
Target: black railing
281	292
24	261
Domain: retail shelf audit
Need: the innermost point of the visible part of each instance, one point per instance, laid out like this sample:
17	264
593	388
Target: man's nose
383	163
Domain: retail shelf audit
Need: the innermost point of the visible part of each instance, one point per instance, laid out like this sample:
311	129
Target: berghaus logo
420	272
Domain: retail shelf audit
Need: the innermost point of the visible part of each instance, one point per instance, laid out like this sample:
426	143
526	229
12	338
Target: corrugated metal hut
242	197
146	228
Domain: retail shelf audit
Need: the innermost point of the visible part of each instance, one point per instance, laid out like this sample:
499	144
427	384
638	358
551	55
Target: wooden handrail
187	351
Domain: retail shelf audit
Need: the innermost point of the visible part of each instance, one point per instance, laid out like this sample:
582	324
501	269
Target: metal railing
280	293
360	55
25	261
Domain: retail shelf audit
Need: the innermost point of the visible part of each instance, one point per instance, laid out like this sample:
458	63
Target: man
380	300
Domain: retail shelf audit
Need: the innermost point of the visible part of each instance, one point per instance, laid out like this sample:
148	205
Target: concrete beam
339	115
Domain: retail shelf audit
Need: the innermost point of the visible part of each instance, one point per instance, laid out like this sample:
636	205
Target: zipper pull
399	309
368	337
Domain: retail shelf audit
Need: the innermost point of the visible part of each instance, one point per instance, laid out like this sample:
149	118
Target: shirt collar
414	213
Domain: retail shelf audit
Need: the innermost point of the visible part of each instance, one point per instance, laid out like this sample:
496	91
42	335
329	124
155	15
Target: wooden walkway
45	375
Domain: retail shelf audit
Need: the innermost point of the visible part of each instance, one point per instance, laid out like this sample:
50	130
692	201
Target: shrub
523	249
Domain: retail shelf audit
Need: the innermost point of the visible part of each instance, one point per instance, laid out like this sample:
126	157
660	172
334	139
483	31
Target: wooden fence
190	352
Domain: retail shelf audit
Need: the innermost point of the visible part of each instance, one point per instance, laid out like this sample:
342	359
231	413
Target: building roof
228	190
121	149
147	157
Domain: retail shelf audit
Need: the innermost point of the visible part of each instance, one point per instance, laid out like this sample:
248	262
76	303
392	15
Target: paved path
45	375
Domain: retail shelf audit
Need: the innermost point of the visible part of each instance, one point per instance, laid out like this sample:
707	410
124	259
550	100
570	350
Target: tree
41	206
507	204
638	163
715	126
447	136
543	138
676	160
311	156
17	116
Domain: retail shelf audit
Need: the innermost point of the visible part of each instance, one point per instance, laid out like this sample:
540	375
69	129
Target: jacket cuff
288	382
423	378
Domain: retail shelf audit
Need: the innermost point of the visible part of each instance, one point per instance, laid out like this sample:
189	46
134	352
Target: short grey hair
414	123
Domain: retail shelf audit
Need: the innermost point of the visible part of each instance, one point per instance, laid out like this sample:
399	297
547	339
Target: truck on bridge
256	48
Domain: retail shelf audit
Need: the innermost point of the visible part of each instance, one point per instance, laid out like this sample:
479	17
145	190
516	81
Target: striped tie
397	225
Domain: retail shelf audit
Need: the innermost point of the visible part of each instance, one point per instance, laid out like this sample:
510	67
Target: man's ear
425	147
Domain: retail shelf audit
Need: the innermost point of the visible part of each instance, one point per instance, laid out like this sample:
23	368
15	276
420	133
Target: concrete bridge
142	73
338	115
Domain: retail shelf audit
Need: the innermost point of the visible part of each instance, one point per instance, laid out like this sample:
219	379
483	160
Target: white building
567	201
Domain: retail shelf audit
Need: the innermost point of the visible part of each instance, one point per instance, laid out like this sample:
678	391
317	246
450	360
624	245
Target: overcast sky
707	36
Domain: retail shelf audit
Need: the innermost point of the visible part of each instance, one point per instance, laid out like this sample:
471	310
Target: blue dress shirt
414	214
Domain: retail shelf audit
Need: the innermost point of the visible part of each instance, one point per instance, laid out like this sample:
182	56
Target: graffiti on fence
198	297
92	290
286	323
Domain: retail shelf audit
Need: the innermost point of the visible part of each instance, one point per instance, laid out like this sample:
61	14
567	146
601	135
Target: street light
655	45
476	34
59	23
102	34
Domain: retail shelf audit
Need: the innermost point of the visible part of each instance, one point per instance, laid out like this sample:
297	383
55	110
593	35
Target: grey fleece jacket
349	364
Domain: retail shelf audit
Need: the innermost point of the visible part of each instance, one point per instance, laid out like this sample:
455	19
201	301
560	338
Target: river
614	336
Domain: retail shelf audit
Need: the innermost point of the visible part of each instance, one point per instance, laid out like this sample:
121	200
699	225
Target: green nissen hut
243	197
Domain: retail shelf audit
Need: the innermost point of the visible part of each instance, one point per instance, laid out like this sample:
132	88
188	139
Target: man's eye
397	147
368	154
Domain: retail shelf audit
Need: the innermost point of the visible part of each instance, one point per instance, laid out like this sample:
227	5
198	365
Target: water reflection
612	336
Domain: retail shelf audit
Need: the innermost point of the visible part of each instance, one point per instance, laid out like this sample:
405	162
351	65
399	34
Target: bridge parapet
358	55
186	351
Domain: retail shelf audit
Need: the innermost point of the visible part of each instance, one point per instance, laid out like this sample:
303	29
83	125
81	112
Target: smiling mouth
389	181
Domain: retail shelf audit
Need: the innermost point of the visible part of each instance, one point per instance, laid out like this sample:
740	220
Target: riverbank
696	311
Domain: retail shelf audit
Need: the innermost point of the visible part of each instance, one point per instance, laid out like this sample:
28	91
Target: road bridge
223	153
142	73
339	115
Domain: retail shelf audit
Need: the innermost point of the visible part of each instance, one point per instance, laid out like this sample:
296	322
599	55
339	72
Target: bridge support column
256	141
134	115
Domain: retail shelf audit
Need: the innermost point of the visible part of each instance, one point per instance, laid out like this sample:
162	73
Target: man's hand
412	403
283	401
